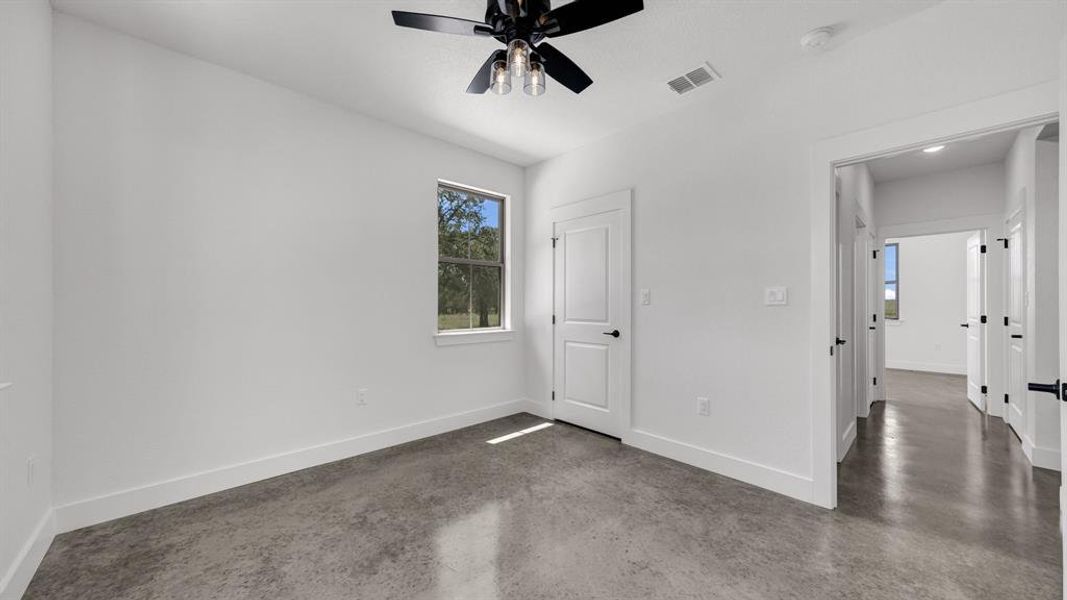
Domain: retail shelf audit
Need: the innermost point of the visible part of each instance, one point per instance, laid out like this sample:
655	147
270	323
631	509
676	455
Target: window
892	281
470	259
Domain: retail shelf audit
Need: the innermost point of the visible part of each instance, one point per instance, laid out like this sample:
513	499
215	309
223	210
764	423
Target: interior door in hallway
592	314
1016	313
975	328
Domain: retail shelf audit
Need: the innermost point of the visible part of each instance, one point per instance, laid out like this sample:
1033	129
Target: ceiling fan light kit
523	25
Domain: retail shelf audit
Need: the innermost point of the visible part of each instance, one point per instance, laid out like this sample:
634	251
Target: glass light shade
501	81
519	57
534	82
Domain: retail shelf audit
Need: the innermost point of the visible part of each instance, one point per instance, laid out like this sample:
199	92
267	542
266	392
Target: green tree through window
470	267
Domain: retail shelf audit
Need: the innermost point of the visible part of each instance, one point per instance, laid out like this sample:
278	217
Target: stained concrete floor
935	502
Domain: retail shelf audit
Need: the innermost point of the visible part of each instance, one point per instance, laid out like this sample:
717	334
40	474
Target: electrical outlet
31	471
361	396
703	407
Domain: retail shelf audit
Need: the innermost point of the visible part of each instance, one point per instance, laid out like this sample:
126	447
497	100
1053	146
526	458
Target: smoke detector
816	38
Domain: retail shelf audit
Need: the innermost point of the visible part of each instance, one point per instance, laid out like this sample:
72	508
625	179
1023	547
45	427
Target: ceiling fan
523	25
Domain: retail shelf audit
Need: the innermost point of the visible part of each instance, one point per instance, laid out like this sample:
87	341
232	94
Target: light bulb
519	57
501	82
534	83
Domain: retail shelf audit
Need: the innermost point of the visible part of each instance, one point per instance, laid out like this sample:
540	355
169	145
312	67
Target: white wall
933	303
234	260
26	289
719	214
941	196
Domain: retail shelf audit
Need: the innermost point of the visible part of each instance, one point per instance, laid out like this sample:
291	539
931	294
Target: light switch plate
646	296
776	296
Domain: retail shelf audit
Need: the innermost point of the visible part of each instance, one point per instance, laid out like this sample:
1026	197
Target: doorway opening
946	311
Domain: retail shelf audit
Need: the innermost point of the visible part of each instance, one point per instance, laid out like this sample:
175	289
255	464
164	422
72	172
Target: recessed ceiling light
816	38
933	149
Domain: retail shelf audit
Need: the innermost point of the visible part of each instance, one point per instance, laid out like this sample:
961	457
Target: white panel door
591	345
1016	305
1063	297
875	294
975	329
861	319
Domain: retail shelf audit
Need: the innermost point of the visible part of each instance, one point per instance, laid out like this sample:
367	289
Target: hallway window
892	281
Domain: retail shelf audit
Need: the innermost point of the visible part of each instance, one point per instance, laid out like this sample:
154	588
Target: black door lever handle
840	342
613	334
1016	336
965	324
1050	388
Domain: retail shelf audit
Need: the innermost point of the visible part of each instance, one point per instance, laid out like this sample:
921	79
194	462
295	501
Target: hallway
936	470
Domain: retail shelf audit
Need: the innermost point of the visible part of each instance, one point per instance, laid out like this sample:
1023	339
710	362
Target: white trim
21	571
993	222
999	113
506	317
847	439
776	480
5	385
90	511
927	367
540	409
456	338
1046	458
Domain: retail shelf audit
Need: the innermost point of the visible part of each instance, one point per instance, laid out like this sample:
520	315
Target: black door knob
1051	388
613	334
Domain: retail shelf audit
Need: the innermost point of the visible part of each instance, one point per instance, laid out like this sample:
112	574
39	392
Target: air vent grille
693	79
681	85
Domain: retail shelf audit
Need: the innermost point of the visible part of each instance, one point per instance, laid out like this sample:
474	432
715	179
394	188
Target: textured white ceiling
348	52
957	155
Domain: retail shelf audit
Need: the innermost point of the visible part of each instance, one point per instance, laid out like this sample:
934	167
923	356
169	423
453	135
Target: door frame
1028	106
621	201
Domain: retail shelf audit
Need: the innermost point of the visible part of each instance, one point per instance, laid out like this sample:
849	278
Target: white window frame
475	336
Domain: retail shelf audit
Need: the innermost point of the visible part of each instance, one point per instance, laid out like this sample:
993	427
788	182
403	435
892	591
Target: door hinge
554	241
553	319
985	390
875	381
1005	398
984	319
553	395
874	318
1005	240
982	249
831	350
874	254
1005	321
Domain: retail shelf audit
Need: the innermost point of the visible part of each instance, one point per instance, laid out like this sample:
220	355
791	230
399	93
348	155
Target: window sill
474	337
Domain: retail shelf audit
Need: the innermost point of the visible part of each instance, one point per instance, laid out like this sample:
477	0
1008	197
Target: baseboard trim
540	409
907	365
1045	458
776	480
846	441
21	571
91	511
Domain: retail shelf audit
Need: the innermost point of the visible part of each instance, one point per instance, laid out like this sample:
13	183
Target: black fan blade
508	7
563	69
586	14
480	83
440	24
